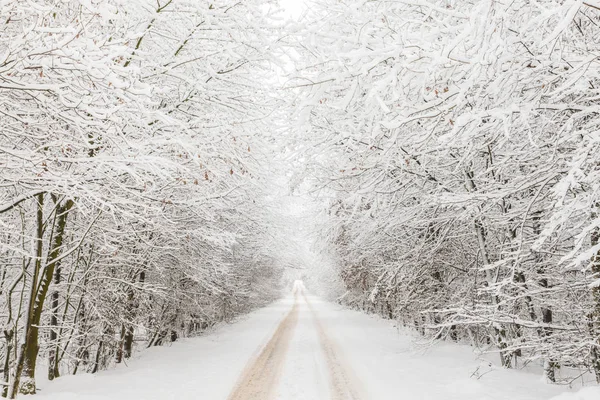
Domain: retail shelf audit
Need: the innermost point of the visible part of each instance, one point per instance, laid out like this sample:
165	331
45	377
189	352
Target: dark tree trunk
39	297
594	316
28	346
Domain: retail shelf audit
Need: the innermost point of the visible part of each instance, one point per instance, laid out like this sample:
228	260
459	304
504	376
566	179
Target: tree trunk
594	316
52	364
31	343
97	358
499	331
119	353
25	345
128	342
128	333
52	354
8	336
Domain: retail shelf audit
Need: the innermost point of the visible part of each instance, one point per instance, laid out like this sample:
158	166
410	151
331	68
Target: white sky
293	7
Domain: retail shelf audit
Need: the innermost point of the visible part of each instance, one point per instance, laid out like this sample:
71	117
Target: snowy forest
448	151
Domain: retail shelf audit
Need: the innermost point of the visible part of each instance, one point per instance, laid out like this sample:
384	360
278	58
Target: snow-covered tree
133	141
457	141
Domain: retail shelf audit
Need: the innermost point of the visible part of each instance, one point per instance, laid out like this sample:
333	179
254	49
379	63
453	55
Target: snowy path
261	379
301	348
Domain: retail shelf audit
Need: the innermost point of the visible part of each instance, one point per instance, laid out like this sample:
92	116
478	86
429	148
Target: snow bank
385	361
392	367
199	368
588	393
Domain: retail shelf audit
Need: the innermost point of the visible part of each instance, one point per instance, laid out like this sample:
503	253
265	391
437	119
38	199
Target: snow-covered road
272	375
304	348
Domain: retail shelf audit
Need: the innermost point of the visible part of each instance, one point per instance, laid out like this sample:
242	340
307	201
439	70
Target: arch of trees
457	145
132	145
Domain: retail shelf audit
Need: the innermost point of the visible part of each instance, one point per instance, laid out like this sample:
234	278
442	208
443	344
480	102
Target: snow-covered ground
305	348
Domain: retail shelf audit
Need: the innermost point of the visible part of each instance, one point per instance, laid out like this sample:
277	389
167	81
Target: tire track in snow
260	377
344	384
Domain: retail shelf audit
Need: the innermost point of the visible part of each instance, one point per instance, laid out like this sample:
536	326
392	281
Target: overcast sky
293	7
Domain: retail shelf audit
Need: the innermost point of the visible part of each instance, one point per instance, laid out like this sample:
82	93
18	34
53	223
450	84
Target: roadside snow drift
304	348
